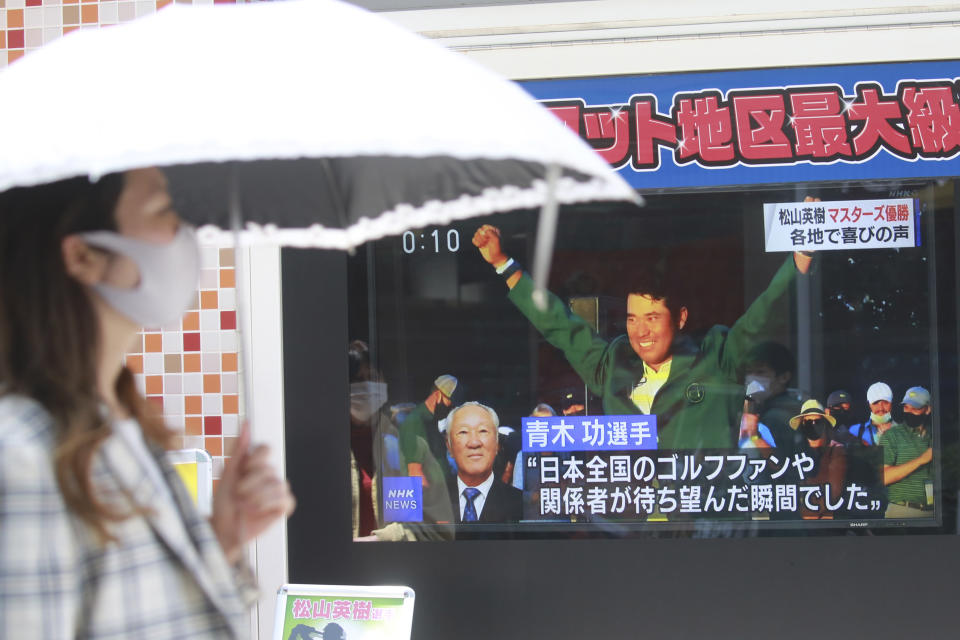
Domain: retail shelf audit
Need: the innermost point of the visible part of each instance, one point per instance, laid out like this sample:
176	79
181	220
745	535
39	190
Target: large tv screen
747	361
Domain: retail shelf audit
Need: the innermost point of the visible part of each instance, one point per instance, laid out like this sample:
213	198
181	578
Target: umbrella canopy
327	125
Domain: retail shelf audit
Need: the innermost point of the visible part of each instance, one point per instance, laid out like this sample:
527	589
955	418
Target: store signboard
767	125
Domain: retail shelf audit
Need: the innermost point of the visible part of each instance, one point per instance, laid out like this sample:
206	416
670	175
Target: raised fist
487	239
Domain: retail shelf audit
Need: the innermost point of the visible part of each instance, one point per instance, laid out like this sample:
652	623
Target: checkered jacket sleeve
40	566
163	577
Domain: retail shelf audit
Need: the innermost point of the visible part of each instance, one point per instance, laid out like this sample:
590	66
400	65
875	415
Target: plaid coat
165	576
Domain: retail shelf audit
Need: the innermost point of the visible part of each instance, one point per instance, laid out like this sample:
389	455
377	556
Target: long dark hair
50	335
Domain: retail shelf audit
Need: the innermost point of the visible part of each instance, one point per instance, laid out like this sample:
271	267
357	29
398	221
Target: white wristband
504	266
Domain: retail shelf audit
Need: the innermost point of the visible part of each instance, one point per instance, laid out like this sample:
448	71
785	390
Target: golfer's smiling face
651	328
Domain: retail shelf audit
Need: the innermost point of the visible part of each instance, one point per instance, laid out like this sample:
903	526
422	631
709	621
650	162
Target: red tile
228	319
191	342
212	426
157	401
34	3
15	39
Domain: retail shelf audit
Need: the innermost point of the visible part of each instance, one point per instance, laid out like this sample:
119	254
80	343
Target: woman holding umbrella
98	537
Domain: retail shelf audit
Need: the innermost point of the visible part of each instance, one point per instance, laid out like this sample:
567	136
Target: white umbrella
305	123
283	81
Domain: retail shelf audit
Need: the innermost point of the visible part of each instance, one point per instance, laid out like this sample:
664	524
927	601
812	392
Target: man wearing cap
880	398
422	422
838	408
830	460
906	459
695	392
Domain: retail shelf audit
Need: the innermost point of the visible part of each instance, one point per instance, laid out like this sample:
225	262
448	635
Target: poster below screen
338	612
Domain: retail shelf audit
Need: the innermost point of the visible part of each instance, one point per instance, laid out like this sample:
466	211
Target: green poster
318	612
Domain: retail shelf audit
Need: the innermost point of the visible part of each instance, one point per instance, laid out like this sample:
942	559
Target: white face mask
878	418
758	387
366	398
169	275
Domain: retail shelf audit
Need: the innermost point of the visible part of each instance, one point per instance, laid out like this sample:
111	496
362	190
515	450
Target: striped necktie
470	511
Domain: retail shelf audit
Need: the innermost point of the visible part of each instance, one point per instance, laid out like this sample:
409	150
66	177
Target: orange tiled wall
29	24
189	369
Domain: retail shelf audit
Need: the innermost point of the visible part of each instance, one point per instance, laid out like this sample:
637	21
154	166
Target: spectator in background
767	371
477	495
368	424
830	463
509	454
907	454
542	410
880	399
423	423
838	408
753	433
375	452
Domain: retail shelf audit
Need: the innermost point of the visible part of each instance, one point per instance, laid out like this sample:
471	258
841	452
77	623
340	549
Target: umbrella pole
341	210
546	236
240	269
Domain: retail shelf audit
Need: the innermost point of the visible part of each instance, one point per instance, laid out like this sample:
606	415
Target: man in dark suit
478	495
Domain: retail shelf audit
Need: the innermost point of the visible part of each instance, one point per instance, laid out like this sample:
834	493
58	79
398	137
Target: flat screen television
752	361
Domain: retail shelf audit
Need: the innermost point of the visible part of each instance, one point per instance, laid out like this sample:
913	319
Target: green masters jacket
700	405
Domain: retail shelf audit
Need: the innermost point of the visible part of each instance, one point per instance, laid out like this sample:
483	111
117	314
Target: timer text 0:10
433	240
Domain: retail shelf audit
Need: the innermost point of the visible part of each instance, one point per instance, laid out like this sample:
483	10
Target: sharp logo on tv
403	499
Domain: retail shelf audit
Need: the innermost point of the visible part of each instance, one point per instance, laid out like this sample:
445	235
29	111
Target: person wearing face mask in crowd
863	462
838	408
767	371
754	434
375	453
907	453
830	460
95	524
880	398
424	422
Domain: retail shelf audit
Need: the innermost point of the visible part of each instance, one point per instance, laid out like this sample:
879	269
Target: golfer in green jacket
694	392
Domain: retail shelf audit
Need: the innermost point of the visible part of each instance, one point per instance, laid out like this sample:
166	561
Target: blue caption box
403	499
590	433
